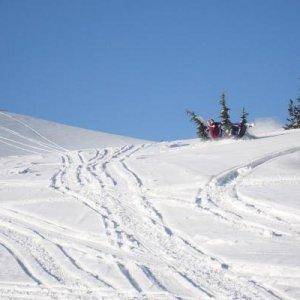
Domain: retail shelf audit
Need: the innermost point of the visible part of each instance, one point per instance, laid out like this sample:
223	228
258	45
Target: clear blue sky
133	67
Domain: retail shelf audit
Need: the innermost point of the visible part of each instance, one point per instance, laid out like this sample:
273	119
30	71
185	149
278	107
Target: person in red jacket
214	129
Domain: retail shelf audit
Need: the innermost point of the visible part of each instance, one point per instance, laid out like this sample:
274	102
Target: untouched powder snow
172	220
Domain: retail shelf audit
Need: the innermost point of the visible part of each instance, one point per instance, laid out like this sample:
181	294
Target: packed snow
89	215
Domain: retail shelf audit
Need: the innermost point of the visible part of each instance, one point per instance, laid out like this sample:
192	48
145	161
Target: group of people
217	130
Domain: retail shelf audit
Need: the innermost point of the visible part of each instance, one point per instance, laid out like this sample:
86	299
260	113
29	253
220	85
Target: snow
103	216
21	135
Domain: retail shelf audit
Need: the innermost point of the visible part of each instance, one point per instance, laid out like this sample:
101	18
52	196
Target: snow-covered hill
21	134
183	219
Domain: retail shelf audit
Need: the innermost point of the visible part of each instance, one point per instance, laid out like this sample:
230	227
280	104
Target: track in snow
107	185
153	259
220	198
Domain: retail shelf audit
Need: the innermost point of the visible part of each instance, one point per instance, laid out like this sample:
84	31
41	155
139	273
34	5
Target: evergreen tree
224	115
290	119
243	124
200	125
297	114
294	115
244	117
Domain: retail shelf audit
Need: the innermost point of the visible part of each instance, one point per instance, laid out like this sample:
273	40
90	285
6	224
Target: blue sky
133	67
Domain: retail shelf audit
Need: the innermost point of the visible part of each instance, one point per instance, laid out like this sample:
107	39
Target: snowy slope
183	219
27	135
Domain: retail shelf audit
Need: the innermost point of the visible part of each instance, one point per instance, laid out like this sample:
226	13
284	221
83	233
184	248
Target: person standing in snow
242	129
235	128
214	129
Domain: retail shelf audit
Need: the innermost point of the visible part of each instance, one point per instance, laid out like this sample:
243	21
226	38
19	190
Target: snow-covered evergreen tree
297	113
200	125
291	118
244	117
293	121
224	115
243	124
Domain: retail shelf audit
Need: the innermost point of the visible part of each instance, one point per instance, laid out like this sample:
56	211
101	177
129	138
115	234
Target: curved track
151	258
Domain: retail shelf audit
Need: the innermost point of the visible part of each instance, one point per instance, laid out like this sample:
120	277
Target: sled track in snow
48	142
220	198
148	254
107	185
42	255
37	145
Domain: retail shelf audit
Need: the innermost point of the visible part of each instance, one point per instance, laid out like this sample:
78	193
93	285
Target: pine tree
243	124
244	117
297	114
224	115
293	113
200	125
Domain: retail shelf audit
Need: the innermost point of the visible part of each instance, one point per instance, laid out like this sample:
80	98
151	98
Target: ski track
24	144
18	147
20	263
29	145
24	124
104	182
136	236
31	140
221	192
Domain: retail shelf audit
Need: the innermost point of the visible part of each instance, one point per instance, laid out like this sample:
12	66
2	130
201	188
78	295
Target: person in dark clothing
242	130
235	128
